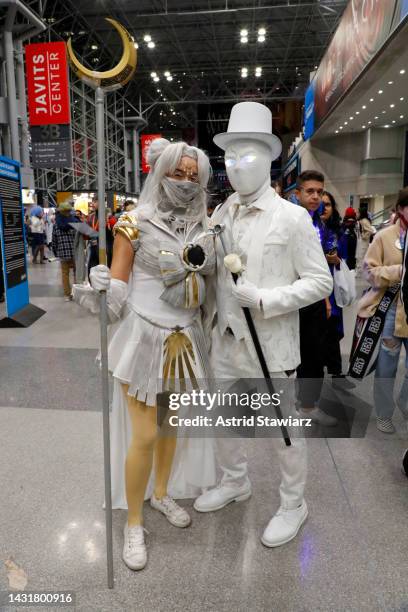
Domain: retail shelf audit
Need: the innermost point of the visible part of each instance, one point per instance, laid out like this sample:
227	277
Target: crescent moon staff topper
115	77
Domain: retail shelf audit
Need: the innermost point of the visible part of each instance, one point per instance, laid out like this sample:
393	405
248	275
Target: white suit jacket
286	262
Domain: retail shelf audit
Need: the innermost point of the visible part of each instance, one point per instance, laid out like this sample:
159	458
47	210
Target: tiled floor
350	555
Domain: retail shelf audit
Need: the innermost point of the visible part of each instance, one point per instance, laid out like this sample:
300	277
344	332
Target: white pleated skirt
142	357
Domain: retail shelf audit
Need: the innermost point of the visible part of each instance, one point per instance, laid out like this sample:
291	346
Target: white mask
181	199
248	164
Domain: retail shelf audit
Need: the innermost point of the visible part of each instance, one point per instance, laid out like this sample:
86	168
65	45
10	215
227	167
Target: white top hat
250	120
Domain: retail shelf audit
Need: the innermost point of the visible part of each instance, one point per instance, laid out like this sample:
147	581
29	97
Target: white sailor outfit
158	344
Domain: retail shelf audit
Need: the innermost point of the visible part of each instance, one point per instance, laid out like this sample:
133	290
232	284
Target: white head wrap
186	201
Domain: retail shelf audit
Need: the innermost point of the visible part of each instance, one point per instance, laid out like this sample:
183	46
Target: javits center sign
47	83
48	104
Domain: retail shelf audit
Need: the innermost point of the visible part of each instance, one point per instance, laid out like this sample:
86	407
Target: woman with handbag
383	269
335	247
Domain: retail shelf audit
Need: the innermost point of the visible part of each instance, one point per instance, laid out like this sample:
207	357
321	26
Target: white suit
283	257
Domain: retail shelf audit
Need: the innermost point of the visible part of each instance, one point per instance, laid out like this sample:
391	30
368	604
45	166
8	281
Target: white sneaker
175	514
284	526
318	416
134	548
385	425
221	496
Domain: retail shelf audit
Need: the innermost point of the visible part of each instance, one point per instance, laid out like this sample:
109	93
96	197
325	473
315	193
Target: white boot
134	548
284	526
221	496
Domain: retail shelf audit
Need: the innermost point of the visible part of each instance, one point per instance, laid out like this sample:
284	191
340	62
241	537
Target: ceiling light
151	45
346	123
357	112
402	71
387	126
244	33
174	112
156	79
136	46
244	40
261	31
393	121
351	118
390	82
375	117
371	99
384	112
315	67
94	47
369	123
153	74
337	131
401	116
147	38
392	105
364	107
363	126
380	91
341	127
158	90
401	99
261	38
169	78
167	73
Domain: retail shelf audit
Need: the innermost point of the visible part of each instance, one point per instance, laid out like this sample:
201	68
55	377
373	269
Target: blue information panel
13	248
309	119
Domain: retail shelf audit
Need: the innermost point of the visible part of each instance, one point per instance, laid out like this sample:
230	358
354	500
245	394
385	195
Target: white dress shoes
175	514
284	526
134	548
318	417
221	496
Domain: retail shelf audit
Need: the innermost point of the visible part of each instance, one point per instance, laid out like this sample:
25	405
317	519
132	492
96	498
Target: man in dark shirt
313	318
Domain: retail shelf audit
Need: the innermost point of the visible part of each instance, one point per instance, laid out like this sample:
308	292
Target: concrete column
11	94
25	154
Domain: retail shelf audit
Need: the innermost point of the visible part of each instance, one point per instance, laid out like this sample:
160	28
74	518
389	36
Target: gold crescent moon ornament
115	77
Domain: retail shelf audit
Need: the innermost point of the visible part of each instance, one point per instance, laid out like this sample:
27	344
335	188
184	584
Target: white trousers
230	359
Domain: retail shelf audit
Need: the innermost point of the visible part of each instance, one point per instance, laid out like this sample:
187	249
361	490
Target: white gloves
116	292
247	294
100	278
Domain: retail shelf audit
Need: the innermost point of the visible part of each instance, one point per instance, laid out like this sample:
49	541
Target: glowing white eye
248	159
230	163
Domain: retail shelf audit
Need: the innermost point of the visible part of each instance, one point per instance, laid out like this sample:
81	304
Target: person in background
382	268
349	236
334	244
93	242
366	233
63	237
129	205
277	187
49	227
313	318
37	227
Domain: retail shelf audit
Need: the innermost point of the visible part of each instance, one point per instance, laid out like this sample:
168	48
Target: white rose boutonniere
233	263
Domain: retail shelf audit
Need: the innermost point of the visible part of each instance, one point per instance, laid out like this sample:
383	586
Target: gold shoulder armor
127	226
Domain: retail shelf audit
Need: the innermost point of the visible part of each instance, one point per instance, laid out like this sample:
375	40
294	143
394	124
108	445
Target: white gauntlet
88	295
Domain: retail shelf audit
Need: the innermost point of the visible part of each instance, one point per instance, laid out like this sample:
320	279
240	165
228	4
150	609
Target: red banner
146	141
47	83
